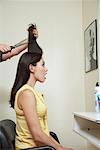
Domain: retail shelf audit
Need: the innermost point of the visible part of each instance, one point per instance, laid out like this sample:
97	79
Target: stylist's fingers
4	47
35	32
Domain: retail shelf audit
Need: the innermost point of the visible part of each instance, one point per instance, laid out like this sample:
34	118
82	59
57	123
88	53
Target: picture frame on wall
90	45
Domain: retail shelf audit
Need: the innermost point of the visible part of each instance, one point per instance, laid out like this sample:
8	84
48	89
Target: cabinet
87	125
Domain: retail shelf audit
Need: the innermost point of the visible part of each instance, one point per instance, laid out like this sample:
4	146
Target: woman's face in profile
40	71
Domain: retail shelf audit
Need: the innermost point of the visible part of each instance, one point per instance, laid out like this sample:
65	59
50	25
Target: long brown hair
33	56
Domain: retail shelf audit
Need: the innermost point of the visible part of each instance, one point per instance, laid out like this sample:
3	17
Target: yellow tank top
23	136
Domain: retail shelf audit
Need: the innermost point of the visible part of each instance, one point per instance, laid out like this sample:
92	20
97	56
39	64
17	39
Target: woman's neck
31	82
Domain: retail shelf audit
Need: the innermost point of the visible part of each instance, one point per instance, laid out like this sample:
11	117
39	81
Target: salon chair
7	136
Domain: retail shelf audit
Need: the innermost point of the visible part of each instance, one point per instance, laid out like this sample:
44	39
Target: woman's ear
31	68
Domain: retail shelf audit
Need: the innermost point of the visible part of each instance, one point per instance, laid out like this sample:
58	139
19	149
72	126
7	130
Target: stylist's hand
4	47
35	32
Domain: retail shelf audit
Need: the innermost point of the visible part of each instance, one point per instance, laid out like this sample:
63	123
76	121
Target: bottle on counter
97	98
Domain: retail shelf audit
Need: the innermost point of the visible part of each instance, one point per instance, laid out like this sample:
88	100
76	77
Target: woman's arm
27	102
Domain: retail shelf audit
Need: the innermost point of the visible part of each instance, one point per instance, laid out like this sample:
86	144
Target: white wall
0	20
90	13
99	35
60	35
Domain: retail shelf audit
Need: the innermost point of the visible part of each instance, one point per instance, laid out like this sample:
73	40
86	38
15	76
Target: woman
6	52
31	113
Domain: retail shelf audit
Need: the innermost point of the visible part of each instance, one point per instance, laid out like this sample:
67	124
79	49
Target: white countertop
92	116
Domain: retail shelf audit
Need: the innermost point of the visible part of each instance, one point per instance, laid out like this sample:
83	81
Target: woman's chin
43	80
